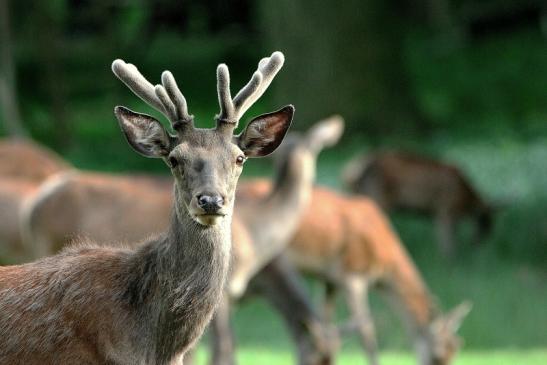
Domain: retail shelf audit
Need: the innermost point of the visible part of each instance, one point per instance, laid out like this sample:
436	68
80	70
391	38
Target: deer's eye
240	160
173	162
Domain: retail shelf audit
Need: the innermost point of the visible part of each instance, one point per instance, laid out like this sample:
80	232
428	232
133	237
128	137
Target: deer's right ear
144	133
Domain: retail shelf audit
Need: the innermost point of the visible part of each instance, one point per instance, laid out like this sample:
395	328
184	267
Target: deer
76	204
23	166
98	304
348	243
404	181
268	225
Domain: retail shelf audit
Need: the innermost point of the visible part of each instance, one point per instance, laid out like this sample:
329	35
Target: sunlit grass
266	356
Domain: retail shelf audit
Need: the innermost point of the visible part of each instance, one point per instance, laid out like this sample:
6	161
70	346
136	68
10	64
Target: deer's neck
178	281
279	213
410	295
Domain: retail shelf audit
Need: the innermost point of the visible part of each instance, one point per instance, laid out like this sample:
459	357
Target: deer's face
206	169
206	163
443	341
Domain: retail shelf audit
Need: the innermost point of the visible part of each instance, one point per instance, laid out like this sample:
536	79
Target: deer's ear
456	316
326	133
265	133
144	133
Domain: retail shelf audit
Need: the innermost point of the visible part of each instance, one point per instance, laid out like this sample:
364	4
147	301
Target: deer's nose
210	203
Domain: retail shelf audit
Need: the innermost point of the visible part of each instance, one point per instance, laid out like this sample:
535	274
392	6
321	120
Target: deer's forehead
207	145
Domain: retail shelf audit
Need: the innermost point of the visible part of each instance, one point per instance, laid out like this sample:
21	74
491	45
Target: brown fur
349	243
79	204
23	166
12	194
403	181
27	160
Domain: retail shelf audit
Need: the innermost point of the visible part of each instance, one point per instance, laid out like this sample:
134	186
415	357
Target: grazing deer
349	244
268	225
23	166
397	180
99	305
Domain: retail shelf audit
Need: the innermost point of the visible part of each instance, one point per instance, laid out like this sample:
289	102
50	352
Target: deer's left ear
144	133
265	133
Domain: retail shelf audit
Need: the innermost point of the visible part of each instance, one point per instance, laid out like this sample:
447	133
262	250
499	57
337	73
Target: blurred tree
8	89
345	57
49	17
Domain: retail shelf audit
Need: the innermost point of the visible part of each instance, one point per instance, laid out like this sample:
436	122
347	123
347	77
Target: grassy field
265	356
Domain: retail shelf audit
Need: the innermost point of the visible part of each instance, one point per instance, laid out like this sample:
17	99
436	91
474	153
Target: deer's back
406	181
23	159
104	208
349	232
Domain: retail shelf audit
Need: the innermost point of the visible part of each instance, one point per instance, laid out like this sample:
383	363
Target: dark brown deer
99	305
268	225
348	243
404	181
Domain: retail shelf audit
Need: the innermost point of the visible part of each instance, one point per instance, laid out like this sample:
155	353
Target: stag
98	304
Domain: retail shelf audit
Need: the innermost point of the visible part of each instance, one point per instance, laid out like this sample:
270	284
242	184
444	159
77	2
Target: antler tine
136	82
224	95
267	69
176	96
169	107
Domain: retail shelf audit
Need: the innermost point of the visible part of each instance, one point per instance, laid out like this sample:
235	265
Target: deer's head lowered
206	163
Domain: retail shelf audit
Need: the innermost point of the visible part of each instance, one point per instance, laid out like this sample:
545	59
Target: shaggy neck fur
177	282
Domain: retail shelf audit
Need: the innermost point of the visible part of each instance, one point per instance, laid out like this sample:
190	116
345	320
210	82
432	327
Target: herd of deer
147	272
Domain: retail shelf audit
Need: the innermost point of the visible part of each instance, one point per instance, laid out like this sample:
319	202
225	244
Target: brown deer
404	181
76	204
268	225
349	244
99	305
23	166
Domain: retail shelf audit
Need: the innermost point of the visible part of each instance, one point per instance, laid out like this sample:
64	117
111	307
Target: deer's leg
281	285
445	226
356	290
329	305
222	339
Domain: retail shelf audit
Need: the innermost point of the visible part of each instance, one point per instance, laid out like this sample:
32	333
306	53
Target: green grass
267	356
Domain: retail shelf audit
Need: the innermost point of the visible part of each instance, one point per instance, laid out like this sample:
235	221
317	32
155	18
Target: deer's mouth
209	219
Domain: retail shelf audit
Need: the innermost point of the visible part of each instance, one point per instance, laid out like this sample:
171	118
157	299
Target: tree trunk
8	94
344	57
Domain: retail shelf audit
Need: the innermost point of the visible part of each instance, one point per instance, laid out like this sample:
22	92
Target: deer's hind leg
356	295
